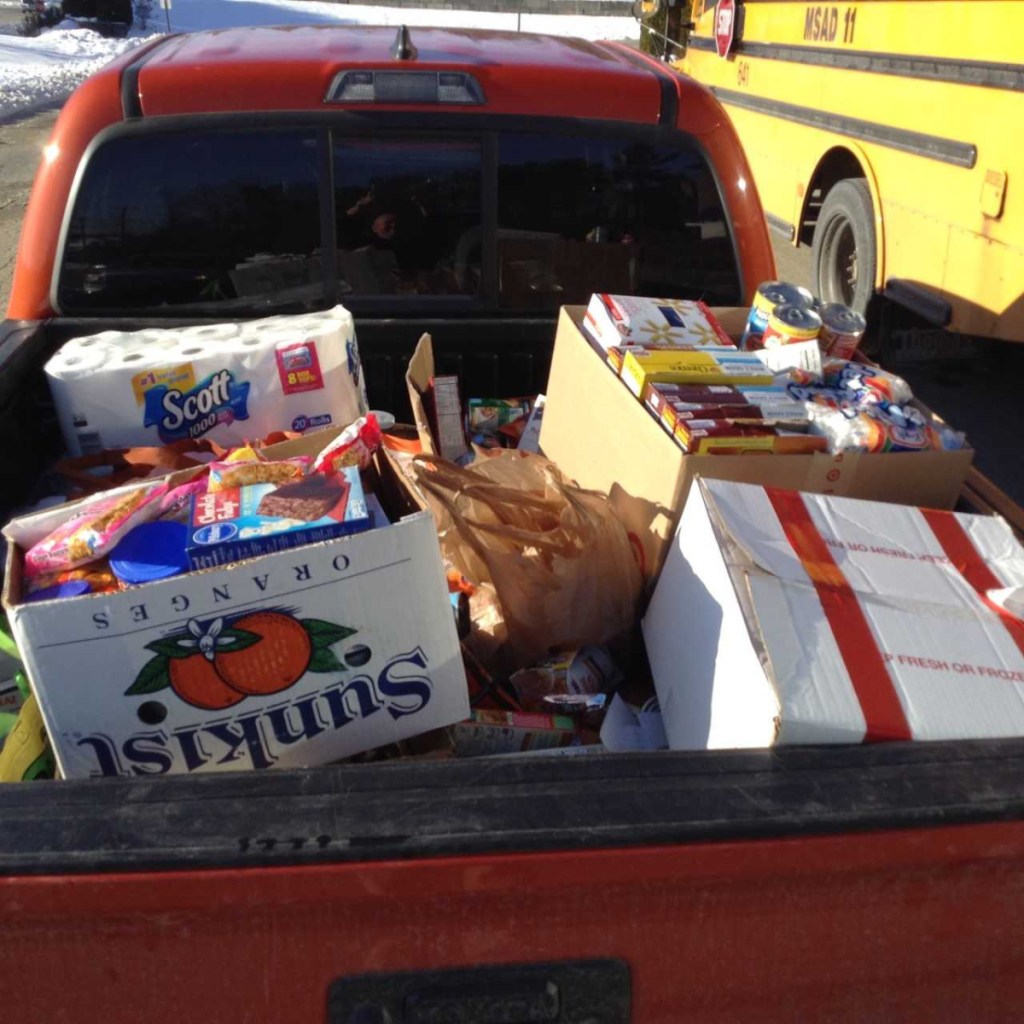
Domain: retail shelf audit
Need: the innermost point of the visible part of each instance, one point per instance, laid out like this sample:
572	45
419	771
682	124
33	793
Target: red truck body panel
909	926
239	71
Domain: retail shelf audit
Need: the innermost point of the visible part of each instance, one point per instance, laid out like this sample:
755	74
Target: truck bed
839	883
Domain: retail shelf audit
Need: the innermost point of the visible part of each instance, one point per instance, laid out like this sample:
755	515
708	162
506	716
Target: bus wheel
844	253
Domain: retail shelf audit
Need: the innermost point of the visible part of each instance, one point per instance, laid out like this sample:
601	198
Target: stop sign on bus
725	23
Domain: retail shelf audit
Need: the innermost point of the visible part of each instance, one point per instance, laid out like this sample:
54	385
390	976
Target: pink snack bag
93	530
354	446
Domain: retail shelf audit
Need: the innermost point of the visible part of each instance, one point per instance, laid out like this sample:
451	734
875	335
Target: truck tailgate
840	884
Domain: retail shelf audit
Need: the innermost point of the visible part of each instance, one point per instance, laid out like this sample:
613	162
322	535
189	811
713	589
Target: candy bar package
257	519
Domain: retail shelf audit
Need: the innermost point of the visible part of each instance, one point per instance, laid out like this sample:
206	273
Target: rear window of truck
224	221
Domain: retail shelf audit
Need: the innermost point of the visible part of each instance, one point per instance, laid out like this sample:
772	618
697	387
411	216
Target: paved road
21	145
980	396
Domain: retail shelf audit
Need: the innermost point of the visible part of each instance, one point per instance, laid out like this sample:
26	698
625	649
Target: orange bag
559	560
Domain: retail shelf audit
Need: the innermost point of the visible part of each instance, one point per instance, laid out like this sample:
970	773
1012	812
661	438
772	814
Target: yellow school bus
888	135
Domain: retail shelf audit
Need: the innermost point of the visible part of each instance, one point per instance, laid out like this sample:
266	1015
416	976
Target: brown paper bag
559	560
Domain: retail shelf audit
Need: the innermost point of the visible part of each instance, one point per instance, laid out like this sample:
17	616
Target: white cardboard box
359	631
783	617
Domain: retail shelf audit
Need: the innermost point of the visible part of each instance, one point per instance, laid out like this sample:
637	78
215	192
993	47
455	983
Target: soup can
841	330
790	325
768	296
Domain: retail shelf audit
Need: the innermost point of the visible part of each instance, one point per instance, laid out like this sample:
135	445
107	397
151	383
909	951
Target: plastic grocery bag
559	560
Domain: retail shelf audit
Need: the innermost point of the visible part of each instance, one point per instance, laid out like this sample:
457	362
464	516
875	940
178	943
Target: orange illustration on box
218	663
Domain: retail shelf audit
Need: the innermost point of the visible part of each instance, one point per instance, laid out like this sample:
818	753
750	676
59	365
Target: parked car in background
108	17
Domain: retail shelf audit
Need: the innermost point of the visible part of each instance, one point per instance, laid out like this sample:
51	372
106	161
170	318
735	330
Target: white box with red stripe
783	617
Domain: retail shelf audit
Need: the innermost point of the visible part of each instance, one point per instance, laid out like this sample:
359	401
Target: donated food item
26	754
791	325
713	437
224	475
486	415
151	551
842	329
73	588
306	500
617	353
769	295
883	427
789	412
509	732
640	368
224	382
97	577
658	395
529	440
845	383
354	446
625	320
258	519
587	670
93	528
176	504
445	412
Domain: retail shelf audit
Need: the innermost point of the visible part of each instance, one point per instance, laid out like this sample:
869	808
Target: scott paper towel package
226	382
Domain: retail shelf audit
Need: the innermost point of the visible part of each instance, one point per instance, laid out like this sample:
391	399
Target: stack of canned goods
786	314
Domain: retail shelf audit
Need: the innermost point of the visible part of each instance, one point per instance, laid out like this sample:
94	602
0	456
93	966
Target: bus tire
845	253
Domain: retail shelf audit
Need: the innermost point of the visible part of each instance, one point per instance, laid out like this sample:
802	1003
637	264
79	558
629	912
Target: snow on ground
41	71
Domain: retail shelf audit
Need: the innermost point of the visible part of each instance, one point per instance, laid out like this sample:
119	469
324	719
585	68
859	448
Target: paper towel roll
227	382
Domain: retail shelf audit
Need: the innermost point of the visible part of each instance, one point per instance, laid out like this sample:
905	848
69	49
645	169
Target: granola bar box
258	519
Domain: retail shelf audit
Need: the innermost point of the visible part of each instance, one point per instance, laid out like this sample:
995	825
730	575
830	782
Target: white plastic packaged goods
226	382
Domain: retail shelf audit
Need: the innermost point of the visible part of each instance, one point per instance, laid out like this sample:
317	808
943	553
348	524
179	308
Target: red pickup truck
466	183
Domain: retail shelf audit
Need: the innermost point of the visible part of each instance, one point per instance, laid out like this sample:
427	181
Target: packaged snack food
96	576
846	383
176	504
640	368
706	437
883	427
624	320
257	519
354	446
586	671
227	474
93	529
